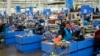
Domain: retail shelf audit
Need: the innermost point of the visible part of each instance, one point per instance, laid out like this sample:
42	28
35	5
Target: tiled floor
11	51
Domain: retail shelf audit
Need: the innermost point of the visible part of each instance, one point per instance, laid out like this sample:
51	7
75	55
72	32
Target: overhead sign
91	10
5	13
69	3
1	16
27	13
47	12
18	9
86	9
65	11
31	9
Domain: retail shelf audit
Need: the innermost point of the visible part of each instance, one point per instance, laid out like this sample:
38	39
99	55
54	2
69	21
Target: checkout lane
79	48
27	44
10	36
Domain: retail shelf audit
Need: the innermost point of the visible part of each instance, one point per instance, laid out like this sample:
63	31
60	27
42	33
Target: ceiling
36	3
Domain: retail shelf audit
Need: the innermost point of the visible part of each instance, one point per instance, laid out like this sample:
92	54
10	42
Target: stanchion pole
46	17
82	20
25	5
39	5
32	3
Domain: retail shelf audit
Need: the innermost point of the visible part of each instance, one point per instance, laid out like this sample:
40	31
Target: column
25	5
39	4
32	3
9	7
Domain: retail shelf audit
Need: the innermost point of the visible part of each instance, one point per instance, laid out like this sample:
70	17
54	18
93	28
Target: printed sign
18	9
69	3
47	12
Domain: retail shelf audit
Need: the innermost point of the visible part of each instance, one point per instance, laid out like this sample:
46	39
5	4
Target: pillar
9	7
39	4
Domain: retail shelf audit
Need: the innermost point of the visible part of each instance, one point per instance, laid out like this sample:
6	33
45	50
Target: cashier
66	32
86	23
20	26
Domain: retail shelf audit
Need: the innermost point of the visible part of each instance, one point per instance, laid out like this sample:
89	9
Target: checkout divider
24	42
81	48
10	36
27	44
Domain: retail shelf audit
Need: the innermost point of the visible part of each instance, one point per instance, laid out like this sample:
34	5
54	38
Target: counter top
29	39
74	46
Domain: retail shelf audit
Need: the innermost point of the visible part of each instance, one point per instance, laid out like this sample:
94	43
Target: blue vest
86	23
68	35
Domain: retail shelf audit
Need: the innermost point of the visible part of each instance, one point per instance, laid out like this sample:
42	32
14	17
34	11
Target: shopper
13	27
78	34
97	10
39	29
20	26
66	32
96	41
2	26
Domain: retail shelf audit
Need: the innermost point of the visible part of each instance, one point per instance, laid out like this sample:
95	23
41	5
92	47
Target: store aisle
11	51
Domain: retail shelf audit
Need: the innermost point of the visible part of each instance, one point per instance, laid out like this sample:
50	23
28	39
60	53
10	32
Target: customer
20	26
97	10
38	28
2	26
66	32
13	27
96	41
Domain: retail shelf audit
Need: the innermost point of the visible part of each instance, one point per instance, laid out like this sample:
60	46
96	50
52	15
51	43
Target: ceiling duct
51	2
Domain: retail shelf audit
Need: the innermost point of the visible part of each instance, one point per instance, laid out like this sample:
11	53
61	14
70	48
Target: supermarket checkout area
31	42
27	44
75	48
79	48
25	41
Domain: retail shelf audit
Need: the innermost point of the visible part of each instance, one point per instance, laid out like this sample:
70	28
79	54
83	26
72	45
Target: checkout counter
10	36
27	44
80	48
76	48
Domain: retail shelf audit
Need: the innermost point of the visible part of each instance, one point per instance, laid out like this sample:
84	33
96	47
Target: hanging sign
65	11
1	16
18	9
27	13
91	10
47	12
69	3
5	13
31	9
86	9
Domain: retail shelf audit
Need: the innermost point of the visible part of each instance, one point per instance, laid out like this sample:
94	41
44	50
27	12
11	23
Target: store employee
66	32
86	23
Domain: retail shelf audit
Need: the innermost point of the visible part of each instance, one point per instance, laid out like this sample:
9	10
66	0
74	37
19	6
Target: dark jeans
96	46
1	43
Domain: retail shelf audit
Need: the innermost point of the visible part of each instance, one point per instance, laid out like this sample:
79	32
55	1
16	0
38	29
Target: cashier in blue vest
66	32
86	23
